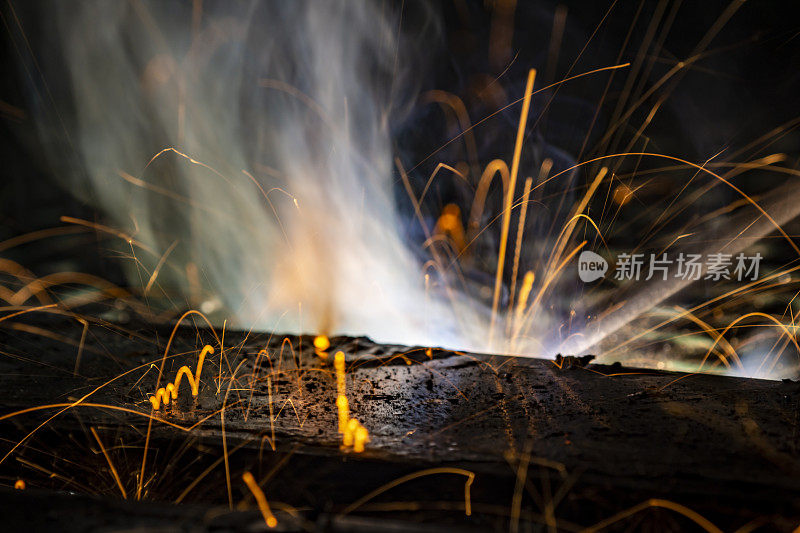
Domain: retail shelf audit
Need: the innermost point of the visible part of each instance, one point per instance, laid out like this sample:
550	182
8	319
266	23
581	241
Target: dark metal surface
591	441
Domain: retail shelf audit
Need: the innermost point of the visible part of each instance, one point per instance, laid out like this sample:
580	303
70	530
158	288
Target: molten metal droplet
361	438
321	343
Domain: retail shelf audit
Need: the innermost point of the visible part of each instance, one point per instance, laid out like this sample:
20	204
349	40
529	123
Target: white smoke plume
282	212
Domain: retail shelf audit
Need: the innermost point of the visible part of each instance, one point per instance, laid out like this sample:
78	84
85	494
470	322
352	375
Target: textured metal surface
723	444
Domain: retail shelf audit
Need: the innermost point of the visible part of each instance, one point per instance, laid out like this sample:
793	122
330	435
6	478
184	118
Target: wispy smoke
284	216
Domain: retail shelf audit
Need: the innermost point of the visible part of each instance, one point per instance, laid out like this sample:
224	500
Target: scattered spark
261	500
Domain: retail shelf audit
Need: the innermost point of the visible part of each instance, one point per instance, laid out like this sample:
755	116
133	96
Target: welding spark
353	432
261	500
321	345
164	394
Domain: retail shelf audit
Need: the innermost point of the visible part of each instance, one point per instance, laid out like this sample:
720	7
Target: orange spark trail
498	281
258	494
164	394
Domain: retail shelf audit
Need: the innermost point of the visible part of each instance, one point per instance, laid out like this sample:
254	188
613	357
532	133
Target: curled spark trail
164	394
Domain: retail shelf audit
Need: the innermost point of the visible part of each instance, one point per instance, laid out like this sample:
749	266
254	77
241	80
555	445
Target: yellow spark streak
427	472
353	433
164	394
524	292
344	413
157	269
496	167
518	248
338	365
106	229
788	331
545	285
110	464
569	227
261	500
515	102
692	515
501	256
